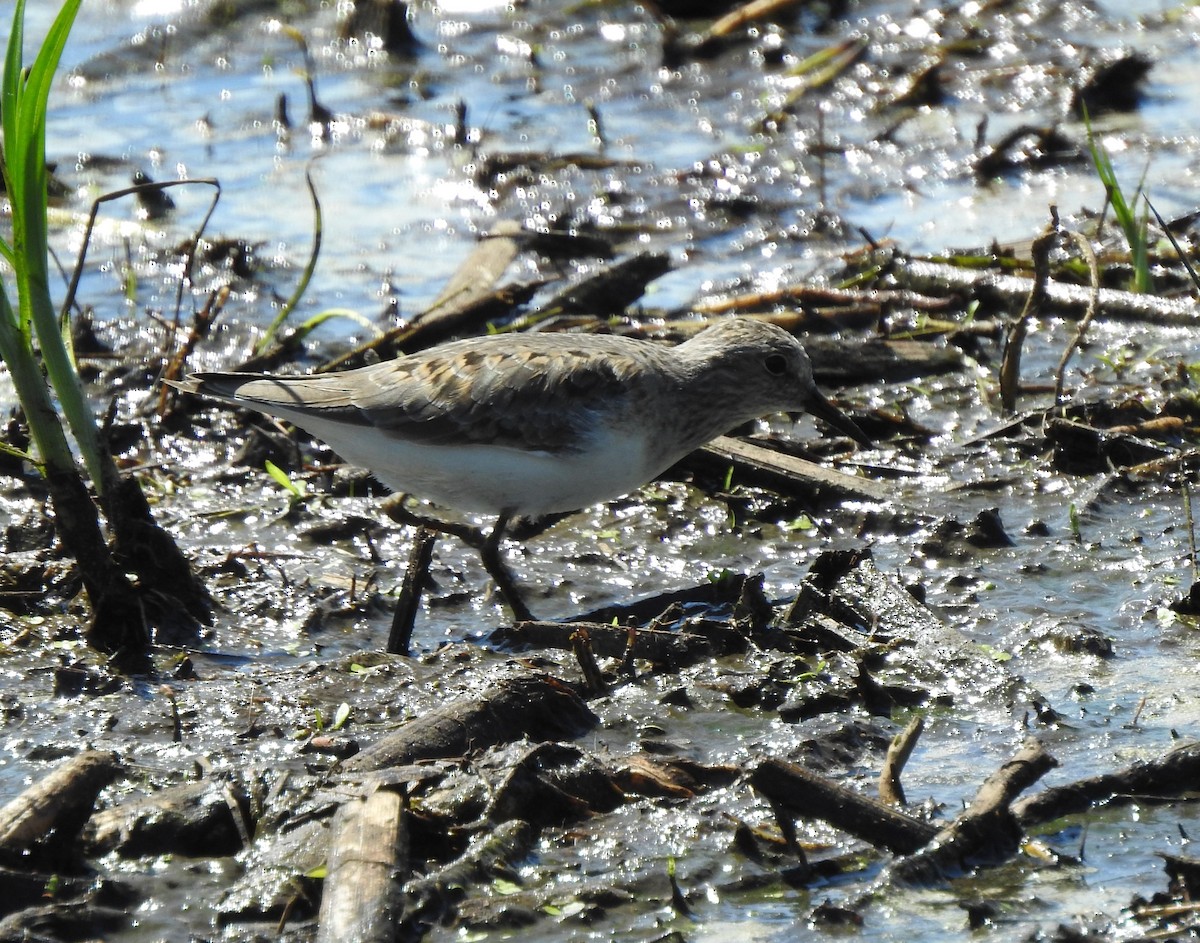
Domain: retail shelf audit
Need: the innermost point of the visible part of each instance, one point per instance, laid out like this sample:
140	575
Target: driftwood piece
871	606
800	792
1072	301
758	465
899	750
408	602
474	282
549	784
1085	450
724	591
1168	776
870	301
987	833
529	705
198	818
611	288
55	807
361	899
24	889
1014	342
838	362
671	649
593	677
672	777
275	882
70	921
429	899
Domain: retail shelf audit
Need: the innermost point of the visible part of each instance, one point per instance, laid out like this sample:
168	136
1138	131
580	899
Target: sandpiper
531	424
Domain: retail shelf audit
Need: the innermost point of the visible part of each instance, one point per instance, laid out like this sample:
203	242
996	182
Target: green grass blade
306	276
1135	230
11	91
31	120
25	100
13	154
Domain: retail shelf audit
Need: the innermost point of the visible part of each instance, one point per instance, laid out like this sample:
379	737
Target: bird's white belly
494	479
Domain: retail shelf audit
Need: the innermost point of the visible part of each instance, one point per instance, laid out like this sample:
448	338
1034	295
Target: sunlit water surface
399	217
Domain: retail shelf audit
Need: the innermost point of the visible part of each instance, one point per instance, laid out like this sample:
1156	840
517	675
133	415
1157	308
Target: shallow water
399	218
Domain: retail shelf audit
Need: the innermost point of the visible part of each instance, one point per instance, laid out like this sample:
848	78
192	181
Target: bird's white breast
496	479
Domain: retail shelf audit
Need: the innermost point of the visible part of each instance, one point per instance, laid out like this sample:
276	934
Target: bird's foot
488	545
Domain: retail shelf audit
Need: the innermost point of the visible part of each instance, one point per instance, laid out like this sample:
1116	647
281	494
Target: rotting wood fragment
581	645
52	811
194	818
1184	873
1008	292
476	278
724	591
1025	148
27	889
876	302
69	921
611	288
1082	450
899	750
669	777
1174	774
408	602
277	882
873	607
672	650
837	362
469	299
552	784
361	899
527	705
755	464
430	899
804	793
986	834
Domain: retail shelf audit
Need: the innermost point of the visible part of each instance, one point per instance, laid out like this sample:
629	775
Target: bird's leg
394	508
493	562
488	546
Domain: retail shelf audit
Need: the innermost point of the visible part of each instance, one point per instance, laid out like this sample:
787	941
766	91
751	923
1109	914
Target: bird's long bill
820	407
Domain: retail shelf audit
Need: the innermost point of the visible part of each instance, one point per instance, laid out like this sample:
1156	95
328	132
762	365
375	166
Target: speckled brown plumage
534	423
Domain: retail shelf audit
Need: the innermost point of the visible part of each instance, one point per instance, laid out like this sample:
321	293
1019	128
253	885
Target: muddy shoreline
789	685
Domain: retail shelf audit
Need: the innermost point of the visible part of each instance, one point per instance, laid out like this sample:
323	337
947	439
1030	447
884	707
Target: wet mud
937	686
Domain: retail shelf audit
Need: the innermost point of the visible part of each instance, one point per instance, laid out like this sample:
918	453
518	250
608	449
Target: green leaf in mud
506	887
342	715
995	654
1073	514
812	675
282	479
570	909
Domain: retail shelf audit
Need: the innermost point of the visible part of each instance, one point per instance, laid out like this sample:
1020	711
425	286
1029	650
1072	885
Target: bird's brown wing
541	397
527	392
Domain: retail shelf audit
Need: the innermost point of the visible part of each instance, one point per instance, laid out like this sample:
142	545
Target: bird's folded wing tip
187	385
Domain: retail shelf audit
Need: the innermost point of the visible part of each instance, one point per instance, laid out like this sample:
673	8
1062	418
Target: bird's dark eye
776	365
